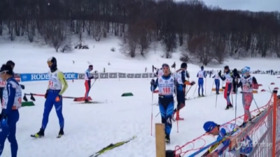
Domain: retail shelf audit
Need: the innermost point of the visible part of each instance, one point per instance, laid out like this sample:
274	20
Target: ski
111	146
36	136
89	102
59	136
204	148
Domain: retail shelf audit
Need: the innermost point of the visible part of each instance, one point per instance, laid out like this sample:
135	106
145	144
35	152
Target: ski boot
60	133
39	134
178	116
167	139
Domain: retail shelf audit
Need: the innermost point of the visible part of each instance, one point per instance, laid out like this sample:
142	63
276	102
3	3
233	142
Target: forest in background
206	34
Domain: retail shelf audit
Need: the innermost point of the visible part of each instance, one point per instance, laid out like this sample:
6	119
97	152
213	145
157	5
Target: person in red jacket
88	78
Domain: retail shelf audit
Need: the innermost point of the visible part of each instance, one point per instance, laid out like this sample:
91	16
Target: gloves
153	82
58	98
192	83
220	73
46	94
22	86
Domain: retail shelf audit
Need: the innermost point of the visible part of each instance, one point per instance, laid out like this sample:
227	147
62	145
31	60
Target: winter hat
202	67
184	65
52	64
11	63
226	67
165	65
245	70
209	126
6	69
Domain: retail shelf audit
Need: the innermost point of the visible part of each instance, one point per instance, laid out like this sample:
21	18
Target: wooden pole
160	140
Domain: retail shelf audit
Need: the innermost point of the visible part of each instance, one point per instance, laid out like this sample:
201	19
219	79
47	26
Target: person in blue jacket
166	86
227	140
10	105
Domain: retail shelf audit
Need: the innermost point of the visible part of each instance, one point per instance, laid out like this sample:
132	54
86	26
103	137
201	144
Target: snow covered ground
112	118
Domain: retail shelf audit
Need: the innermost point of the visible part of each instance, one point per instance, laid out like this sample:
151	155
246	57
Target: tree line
206	34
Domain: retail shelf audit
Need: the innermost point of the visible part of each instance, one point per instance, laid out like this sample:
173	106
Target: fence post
274	123
160	140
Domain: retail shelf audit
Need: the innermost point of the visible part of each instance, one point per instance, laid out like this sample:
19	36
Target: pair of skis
111	146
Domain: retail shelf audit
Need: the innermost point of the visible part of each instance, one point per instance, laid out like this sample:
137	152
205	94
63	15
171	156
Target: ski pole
216	100
43	95
212	86
188	91
157	114
256	104
205	85
195	90
236	104
152	114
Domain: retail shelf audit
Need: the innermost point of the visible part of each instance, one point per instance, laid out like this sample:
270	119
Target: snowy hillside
112	118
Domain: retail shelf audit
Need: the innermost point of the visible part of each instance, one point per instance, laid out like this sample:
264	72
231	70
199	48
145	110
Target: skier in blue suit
165	84
10	105
57	86
201	75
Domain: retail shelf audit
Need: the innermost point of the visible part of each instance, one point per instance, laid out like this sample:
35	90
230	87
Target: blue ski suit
10	115
166	86
57	85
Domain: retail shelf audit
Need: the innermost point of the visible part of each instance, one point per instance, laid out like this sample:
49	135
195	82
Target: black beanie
184	65
7	69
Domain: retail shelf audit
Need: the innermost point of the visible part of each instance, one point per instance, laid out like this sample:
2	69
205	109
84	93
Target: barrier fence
25	77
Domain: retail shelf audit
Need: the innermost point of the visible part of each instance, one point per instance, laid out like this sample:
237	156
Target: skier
166	84
227	77
217	82
12	65
236	77
2	86
181	83
57	86
2	82
10	105
247	84
201	75
227	140
88	78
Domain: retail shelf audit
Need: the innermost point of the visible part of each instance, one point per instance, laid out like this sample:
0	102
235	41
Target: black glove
220	73
22	86
46	94
153	82
192	83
